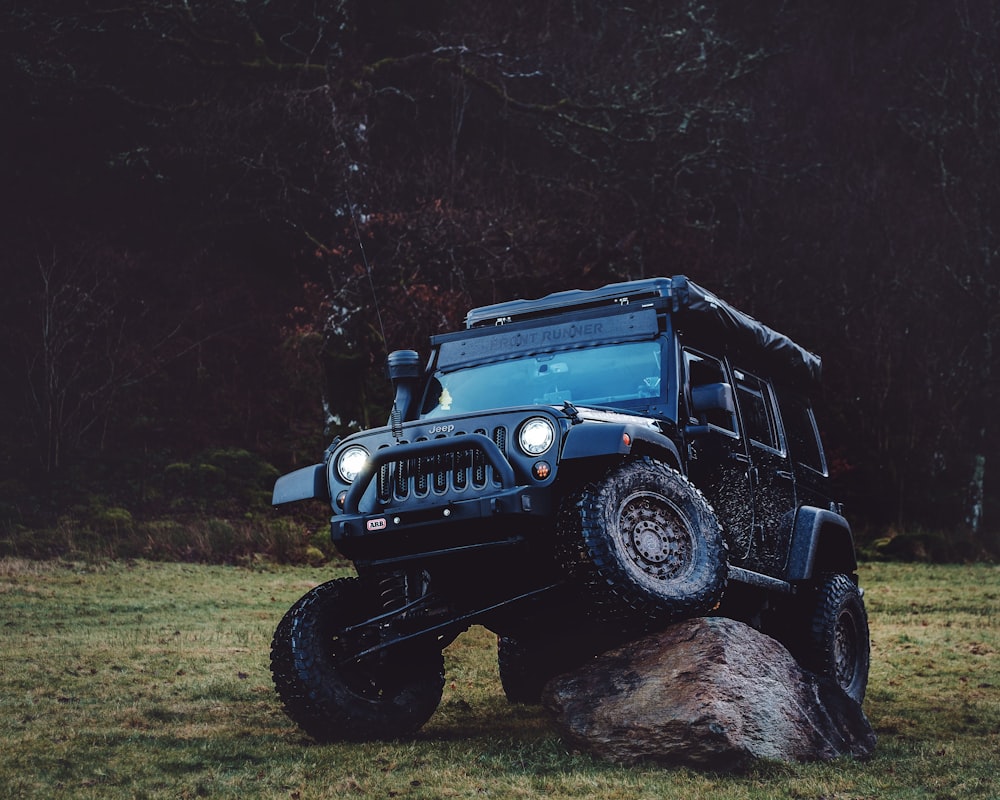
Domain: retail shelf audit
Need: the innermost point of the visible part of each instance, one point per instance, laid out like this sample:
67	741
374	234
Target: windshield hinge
571	411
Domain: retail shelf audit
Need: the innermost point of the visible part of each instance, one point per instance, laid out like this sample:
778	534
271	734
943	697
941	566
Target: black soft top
694	309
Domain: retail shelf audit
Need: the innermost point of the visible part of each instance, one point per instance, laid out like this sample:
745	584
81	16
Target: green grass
150	680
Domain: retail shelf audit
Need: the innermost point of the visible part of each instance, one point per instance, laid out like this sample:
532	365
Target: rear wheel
837	640
335	693
646	542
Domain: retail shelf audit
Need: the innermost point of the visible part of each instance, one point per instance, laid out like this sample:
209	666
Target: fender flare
821	541
307	483
612	438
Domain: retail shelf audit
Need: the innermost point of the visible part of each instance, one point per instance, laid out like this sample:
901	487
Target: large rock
710	693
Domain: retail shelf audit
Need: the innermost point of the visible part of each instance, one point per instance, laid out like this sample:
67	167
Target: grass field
151	680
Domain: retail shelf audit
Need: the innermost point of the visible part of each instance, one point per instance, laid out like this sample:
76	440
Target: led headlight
351	462
536	436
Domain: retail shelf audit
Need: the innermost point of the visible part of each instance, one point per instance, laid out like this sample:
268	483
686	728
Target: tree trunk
977	492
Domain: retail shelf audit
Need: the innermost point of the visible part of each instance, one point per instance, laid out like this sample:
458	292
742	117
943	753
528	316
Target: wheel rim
342	634
361	676
845	650
656	537
376	676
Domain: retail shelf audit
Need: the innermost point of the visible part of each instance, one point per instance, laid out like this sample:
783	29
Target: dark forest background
187	187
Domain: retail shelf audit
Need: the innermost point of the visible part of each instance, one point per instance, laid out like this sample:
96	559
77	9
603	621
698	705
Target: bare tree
73	352
958	127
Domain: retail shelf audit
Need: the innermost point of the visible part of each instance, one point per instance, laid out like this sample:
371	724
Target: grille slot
500	440
479	465
385	481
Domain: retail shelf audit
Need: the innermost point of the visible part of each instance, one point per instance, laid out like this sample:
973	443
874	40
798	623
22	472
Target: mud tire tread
325	698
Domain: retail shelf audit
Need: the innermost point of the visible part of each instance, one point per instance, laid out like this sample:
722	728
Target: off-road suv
571	472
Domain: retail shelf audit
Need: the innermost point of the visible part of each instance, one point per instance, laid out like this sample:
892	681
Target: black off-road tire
526	665
523	670
837	641
386	695
646	543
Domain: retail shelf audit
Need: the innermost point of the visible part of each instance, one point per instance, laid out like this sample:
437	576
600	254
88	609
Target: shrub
932	547
223	481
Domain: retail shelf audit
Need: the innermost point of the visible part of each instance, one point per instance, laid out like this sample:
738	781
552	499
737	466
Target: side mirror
712	397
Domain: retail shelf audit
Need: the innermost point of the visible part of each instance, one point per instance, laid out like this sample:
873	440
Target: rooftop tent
701	310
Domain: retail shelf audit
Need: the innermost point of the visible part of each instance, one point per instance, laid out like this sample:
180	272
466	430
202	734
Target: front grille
455	471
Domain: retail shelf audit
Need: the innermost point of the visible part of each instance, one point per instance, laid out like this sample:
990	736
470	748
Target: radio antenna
395	418
368	270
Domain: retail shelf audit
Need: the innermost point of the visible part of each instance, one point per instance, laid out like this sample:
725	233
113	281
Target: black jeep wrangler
571	472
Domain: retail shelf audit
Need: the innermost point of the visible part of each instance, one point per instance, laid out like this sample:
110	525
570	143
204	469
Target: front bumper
433	484
517	501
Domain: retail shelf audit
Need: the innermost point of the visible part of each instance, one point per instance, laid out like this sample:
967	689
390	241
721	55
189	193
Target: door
718	462
770	474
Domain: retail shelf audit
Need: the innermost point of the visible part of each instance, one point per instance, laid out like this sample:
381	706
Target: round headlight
351	462
536	436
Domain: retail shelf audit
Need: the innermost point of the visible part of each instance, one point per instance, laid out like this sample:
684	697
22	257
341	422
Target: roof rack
652	290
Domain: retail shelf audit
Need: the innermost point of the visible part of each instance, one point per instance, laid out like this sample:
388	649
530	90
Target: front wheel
837	635
646	543
334	694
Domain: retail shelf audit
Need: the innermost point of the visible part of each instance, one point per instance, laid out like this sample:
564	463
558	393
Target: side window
703	370
757	410
803	435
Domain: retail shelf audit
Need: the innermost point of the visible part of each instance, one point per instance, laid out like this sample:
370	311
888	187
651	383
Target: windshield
611	375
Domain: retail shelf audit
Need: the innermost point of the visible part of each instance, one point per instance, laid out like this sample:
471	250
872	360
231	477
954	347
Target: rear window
757	409
803	435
